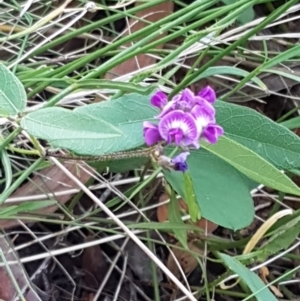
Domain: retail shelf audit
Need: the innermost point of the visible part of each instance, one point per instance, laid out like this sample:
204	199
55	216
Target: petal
208	93
179	162
150	125
159	99
203	116
208	107
151	133
196	144
212	133
181	157
176	98
170	106
184	101
175	135
179	127
187	95
181	166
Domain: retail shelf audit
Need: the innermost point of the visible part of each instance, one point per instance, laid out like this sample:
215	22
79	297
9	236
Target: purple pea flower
208	94
183	101
159	99
186	95
184	121
179	162
151	133
202	116
179	127
212	132
186	100
206	124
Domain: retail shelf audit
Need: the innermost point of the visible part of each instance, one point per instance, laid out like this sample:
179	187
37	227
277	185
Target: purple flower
212	132
186	101
208	94
204	105
184	120
183	101
151	133
159	99
179	162
186	95
179	127
203	117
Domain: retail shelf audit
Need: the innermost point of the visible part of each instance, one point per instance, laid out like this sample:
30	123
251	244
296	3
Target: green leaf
270	140
252	165
293	123
174	216
283	238
77	132
246	16
3	113
220	190
126	113
12	93
12	210
255	284
190	199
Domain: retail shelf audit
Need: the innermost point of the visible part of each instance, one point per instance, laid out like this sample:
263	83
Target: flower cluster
185	119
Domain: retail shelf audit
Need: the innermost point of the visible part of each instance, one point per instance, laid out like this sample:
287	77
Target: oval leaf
81	134
126	113
246	16
270	140
252	165
220	189
12	93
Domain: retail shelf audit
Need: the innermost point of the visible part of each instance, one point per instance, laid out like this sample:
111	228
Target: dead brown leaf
207	226
187	261
151	14
49	180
